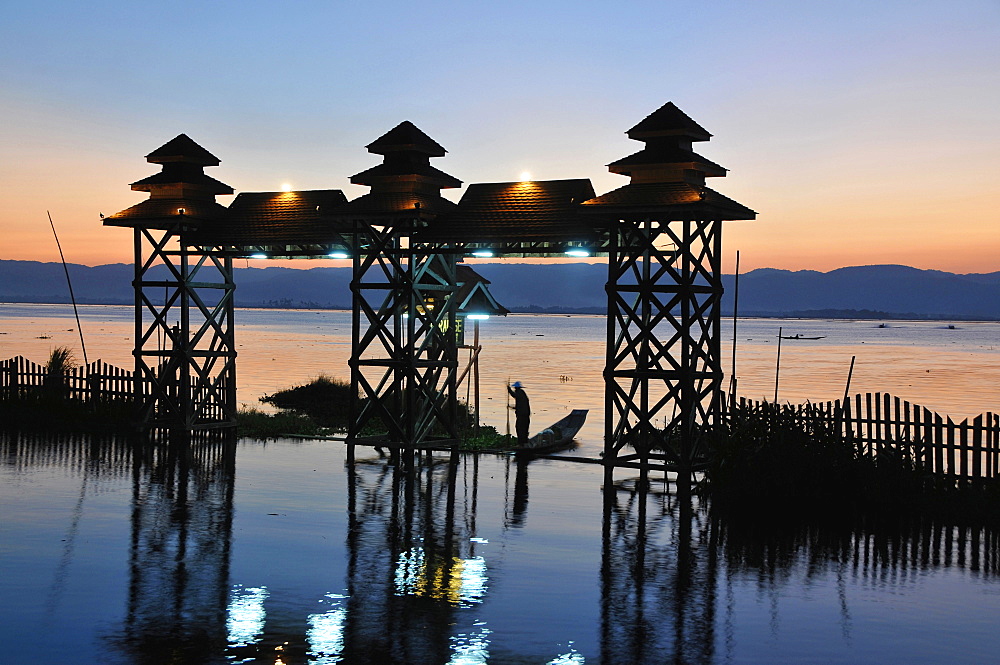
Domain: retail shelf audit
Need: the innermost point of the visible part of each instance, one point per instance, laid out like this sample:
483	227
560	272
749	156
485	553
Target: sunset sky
862	132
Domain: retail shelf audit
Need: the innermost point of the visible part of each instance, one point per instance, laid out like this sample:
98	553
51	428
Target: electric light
483	253
579	252
478	317
339	255
258	256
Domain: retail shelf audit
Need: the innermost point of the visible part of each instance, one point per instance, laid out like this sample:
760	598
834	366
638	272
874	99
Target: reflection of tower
658	577
182	512
412	566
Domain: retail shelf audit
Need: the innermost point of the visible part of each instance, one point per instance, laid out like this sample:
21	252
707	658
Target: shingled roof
680	199
528	211
161	213
263	218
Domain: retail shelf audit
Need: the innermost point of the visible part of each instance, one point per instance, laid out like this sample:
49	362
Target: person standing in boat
522	411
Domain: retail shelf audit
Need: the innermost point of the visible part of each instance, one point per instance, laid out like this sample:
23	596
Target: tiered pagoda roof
180	190
667	176
404	181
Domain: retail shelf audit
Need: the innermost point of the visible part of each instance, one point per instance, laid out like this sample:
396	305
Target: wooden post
777	367
475	372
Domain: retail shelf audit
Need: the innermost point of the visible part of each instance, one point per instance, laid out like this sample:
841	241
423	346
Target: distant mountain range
888	291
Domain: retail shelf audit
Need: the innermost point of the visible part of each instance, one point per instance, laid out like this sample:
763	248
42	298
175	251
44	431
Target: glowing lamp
577	252
339	255
483	253
258	256
478	317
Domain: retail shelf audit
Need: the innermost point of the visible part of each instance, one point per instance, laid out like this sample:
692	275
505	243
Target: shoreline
808	315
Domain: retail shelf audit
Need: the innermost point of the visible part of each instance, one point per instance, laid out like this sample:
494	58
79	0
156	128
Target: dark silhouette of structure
662	234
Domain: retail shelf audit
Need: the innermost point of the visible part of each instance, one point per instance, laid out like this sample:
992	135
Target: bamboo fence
882	423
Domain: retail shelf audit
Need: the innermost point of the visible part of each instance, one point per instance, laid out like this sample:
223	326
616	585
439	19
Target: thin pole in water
850	373
736	305
70	284
777	367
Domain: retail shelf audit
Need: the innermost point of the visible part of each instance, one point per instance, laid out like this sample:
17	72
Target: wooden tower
185	357
663	373
404	350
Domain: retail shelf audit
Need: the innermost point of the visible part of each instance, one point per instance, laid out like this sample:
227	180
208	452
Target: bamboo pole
777	367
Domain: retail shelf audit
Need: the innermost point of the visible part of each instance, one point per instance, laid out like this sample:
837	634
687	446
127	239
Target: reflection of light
478	317
409	570
246	615
574	657
258	256
483	253
339	255
458	581
325	634
470	649
577	252
473	580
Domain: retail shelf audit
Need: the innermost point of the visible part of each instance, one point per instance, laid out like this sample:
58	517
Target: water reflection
421	582
672	569
178	593
659	577
413	563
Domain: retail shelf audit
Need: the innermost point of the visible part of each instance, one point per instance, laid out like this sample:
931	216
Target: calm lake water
278	552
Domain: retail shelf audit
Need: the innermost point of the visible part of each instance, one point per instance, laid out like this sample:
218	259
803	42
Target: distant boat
801	337
882	325
556	436
951	326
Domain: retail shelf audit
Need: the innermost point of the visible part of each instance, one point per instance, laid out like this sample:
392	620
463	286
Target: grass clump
486	438
325	400
255	424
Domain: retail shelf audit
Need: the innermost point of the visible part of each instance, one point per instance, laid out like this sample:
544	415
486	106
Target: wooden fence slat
977	447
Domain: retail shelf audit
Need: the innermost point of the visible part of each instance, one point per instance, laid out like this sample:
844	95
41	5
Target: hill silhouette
886	291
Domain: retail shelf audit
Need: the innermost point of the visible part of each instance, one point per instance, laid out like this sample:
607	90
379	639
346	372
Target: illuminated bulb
482	253
286	187
258	256
525	176
577	252
339	255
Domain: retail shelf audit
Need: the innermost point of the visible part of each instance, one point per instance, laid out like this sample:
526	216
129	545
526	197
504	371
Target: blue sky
861	132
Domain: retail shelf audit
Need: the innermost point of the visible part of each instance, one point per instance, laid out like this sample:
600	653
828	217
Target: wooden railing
879	422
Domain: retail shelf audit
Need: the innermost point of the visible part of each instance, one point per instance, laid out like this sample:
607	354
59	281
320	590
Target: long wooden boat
801	337
556	436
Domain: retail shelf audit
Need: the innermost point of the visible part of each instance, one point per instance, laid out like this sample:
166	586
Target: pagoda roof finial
668	120
182	149
406	137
